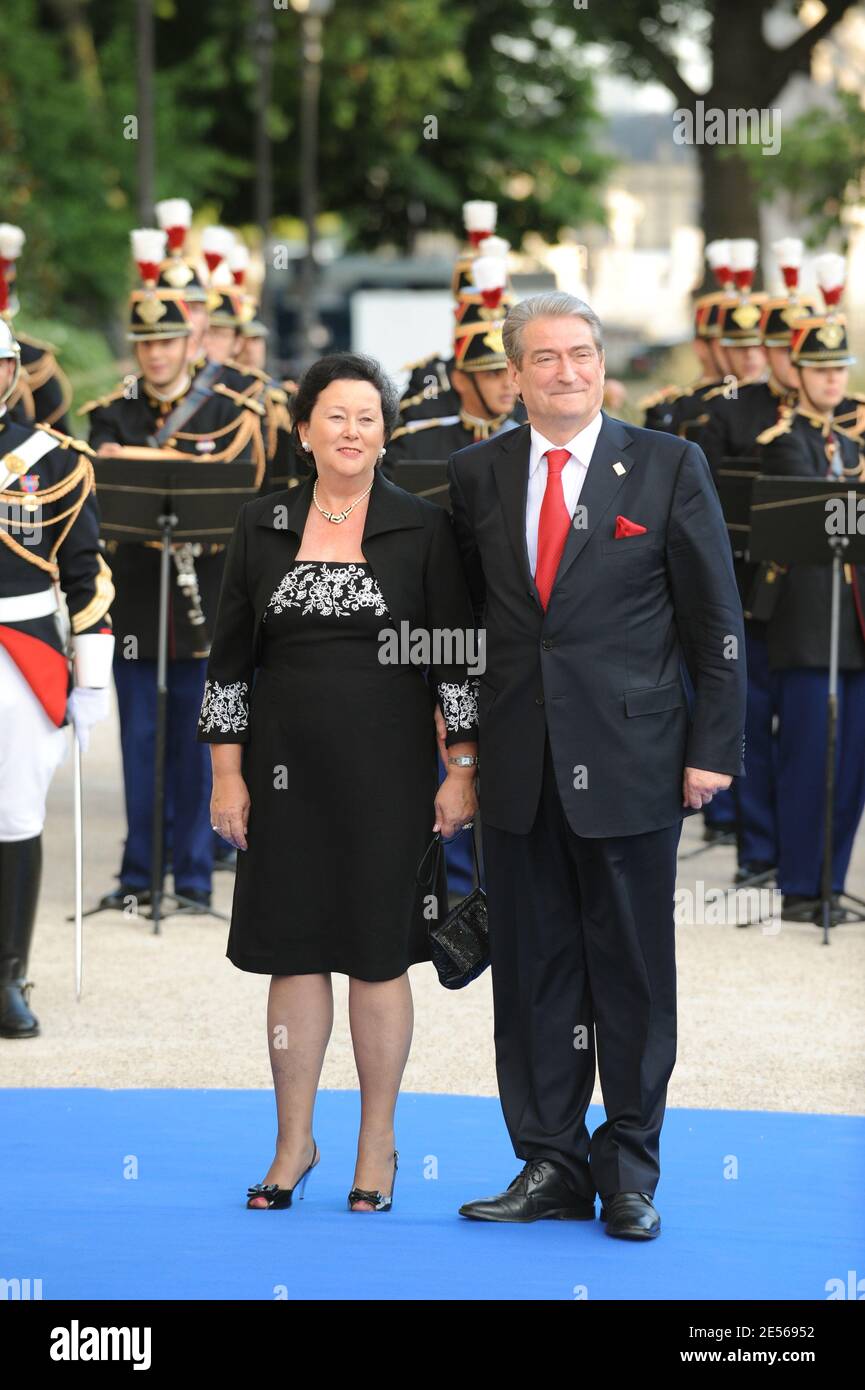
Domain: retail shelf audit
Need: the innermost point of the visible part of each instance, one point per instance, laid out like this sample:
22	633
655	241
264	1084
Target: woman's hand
229	808
456	802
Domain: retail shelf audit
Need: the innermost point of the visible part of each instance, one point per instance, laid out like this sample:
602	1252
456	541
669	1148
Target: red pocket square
624	527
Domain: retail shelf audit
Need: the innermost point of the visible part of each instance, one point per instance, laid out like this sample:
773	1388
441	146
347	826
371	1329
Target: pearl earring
306	447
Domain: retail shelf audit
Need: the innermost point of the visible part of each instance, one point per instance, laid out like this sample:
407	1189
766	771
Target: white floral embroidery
224	707
459	704
338	590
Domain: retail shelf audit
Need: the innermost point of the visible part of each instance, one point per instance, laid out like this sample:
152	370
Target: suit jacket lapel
601	483
511	472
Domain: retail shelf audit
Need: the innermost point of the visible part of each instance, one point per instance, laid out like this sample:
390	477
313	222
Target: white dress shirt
581	448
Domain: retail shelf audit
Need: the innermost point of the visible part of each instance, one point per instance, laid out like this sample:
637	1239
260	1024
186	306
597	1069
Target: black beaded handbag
459	945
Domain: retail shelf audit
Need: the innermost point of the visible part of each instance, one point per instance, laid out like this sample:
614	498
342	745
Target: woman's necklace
337	517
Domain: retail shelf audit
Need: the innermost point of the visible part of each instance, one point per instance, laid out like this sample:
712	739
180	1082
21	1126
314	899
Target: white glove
85	707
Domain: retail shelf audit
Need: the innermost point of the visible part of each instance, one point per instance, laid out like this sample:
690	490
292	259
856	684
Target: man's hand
108	450
699	787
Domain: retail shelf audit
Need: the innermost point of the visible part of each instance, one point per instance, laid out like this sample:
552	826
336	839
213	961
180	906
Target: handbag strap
436	844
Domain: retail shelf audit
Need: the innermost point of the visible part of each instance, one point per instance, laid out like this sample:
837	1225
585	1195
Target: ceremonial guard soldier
668	408
49	533
479	377
737	336
734	421
250	362
205	419
795	600
429	390
43	393
178	272
675	408
728	437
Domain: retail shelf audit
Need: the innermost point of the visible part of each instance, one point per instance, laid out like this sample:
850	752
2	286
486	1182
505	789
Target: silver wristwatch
464	761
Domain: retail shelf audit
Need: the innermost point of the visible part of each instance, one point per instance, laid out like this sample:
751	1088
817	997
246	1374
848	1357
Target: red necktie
553	526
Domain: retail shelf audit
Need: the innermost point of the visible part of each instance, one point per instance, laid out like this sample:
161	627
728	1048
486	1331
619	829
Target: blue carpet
791	1220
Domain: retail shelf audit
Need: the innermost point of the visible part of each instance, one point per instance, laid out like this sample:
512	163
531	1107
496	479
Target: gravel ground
769	1019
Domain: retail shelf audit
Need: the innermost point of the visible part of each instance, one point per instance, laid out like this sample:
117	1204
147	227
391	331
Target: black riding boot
20	877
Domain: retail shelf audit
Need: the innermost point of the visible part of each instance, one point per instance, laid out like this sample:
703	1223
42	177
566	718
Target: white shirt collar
581	445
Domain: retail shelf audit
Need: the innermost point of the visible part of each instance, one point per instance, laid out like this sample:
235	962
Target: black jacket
798	630
600	670
410	546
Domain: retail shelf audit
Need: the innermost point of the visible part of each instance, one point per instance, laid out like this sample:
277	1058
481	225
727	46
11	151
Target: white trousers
31	750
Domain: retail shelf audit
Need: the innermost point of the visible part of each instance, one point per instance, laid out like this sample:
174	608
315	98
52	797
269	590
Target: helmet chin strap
811	403
4	395
490	414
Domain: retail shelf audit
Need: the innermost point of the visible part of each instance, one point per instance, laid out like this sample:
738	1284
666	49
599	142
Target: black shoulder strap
195	397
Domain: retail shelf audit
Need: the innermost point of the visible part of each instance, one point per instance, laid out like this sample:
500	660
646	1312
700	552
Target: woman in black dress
321	721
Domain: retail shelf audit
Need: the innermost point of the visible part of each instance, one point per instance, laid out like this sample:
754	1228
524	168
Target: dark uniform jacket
225	427
44	393
729	434
798	630
49	529
436	439
669	408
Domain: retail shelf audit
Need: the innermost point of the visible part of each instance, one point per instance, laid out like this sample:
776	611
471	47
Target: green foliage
497	83
820	167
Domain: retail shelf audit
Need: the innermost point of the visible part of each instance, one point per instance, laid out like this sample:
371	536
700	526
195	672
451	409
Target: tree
747	72
820	170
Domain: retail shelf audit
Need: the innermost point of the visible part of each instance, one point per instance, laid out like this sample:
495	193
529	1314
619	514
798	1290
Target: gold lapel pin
619	468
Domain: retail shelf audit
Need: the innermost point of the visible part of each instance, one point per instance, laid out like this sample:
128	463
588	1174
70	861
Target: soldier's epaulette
782	425
36	342
421	362
717	391
666	393
414	426
239	398
102	400
245	370
67	441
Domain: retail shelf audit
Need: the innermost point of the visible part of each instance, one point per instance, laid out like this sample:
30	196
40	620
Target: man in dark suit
598	562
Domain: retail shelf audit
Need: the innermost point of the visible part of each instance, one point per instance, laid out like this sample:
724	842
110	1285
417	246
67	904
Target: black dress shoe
117	900
798	907
194	900
756	869
631	1216
714	834
540	1191
837	913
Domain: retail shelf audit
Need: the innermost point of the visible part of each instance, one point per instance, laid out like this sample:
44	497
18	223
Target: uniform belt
19	607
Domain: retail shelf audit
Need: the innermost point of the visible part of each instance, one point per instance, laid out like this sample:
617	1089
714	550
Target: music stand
734	481
789	525
156	494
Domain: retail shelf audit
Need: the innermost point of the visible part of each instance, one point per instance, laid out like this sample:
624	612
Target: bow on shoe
358	1194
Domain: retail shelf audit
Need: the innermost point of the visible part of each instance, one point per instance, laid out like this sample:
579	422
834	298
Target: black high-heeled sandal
377	1201
280	1197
